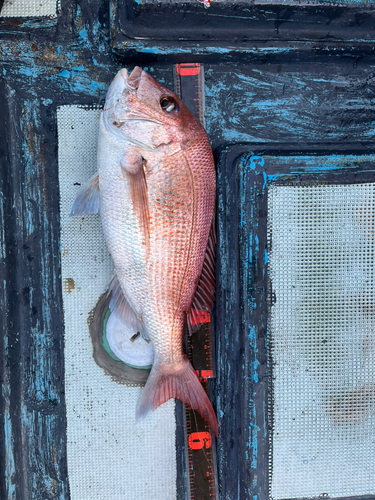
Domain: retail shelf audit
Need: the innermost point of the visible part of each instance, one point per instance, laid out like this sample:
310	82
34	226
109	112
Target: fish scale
169	251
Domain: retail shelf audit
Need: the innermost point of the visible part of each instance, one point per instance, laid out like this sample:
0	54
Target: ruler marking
201	465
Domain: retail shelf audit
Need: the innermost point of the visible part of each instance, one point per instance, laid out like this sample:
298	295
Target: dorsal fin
205	293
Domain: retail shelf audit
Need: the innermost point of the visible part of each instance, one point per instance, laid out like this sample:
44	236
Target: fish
155	190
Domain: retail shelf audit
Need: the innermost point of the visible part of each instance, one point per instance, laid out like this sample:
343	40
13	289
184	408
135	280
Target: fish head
140	110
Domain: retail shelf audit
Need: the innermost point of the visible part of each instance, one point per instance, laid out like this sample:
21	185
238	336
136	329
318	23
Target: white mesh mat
30	8
322	327
109	457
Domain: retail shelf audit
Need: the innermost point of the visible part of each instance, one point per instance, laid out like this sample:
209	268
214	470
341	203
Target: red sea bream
155	190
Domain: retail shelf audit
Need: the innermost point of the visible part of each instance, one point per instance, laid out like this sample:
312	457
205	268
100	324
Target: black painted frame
245	440
235	21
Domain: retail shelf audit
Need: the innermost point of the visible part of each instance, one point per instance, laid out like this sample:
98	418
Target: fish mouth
123	84
117	112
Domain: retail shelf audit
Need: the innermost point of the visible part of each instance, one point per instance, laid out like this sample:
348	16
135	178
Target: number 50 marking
198	440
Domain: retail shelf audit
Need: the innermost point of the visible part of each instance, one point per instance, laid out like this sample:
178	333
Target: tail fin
183	385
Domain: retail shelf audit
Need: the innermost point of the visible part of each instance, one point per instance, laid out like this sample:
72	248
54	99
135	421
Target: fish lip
116	89
133	80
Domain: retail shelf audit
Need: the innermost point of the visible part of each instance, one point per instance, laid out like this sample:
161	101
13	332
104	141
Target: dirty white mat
322	326
30	8
109	457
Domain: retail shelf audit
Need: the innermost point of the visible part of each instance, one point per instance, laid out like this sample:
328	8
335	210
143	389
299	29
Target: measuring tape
200	440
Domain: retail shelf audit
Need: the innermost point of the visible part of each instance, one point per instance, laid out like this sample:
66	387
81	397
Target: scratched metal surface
274	91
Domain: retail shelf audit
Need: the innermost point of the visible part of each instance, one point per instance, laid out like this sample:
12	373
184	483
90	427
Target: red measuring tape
200	440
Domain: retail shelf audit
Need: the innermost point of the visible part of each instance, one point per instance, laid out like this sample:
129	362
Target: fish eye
168	104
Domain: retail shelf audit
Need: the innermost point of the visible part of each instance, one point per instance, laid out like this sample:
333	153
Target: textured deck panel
321	265
109	457
30	8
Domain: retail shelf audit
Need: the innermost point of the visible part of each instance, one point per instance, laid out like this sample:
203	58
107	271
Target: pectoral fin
132	166
88	199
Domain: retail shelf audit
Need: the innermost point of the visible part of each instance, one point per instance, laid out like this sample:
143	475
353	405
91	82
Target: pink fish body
155	190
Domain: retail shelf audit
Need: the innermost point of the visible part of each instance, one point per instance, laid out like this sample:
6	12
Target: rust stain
49	53
51	488
68	285
354	407
31	138
14	23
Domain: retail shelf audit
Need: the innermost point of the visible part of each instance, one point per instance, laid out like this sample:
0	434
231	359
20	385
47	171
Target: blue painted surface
271	93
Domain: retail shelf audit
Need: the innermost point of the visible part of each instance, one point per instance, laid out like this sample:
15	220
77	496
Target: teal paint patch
79	81
104	338
196	49
83	34
252	334
256	161
32	72
255	366
65	73
9	459
78	68
10	464
97	86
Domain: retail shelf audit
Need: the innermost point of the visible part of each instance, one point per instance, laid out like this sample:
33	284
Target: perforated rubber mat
109	456
30	8
321	242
